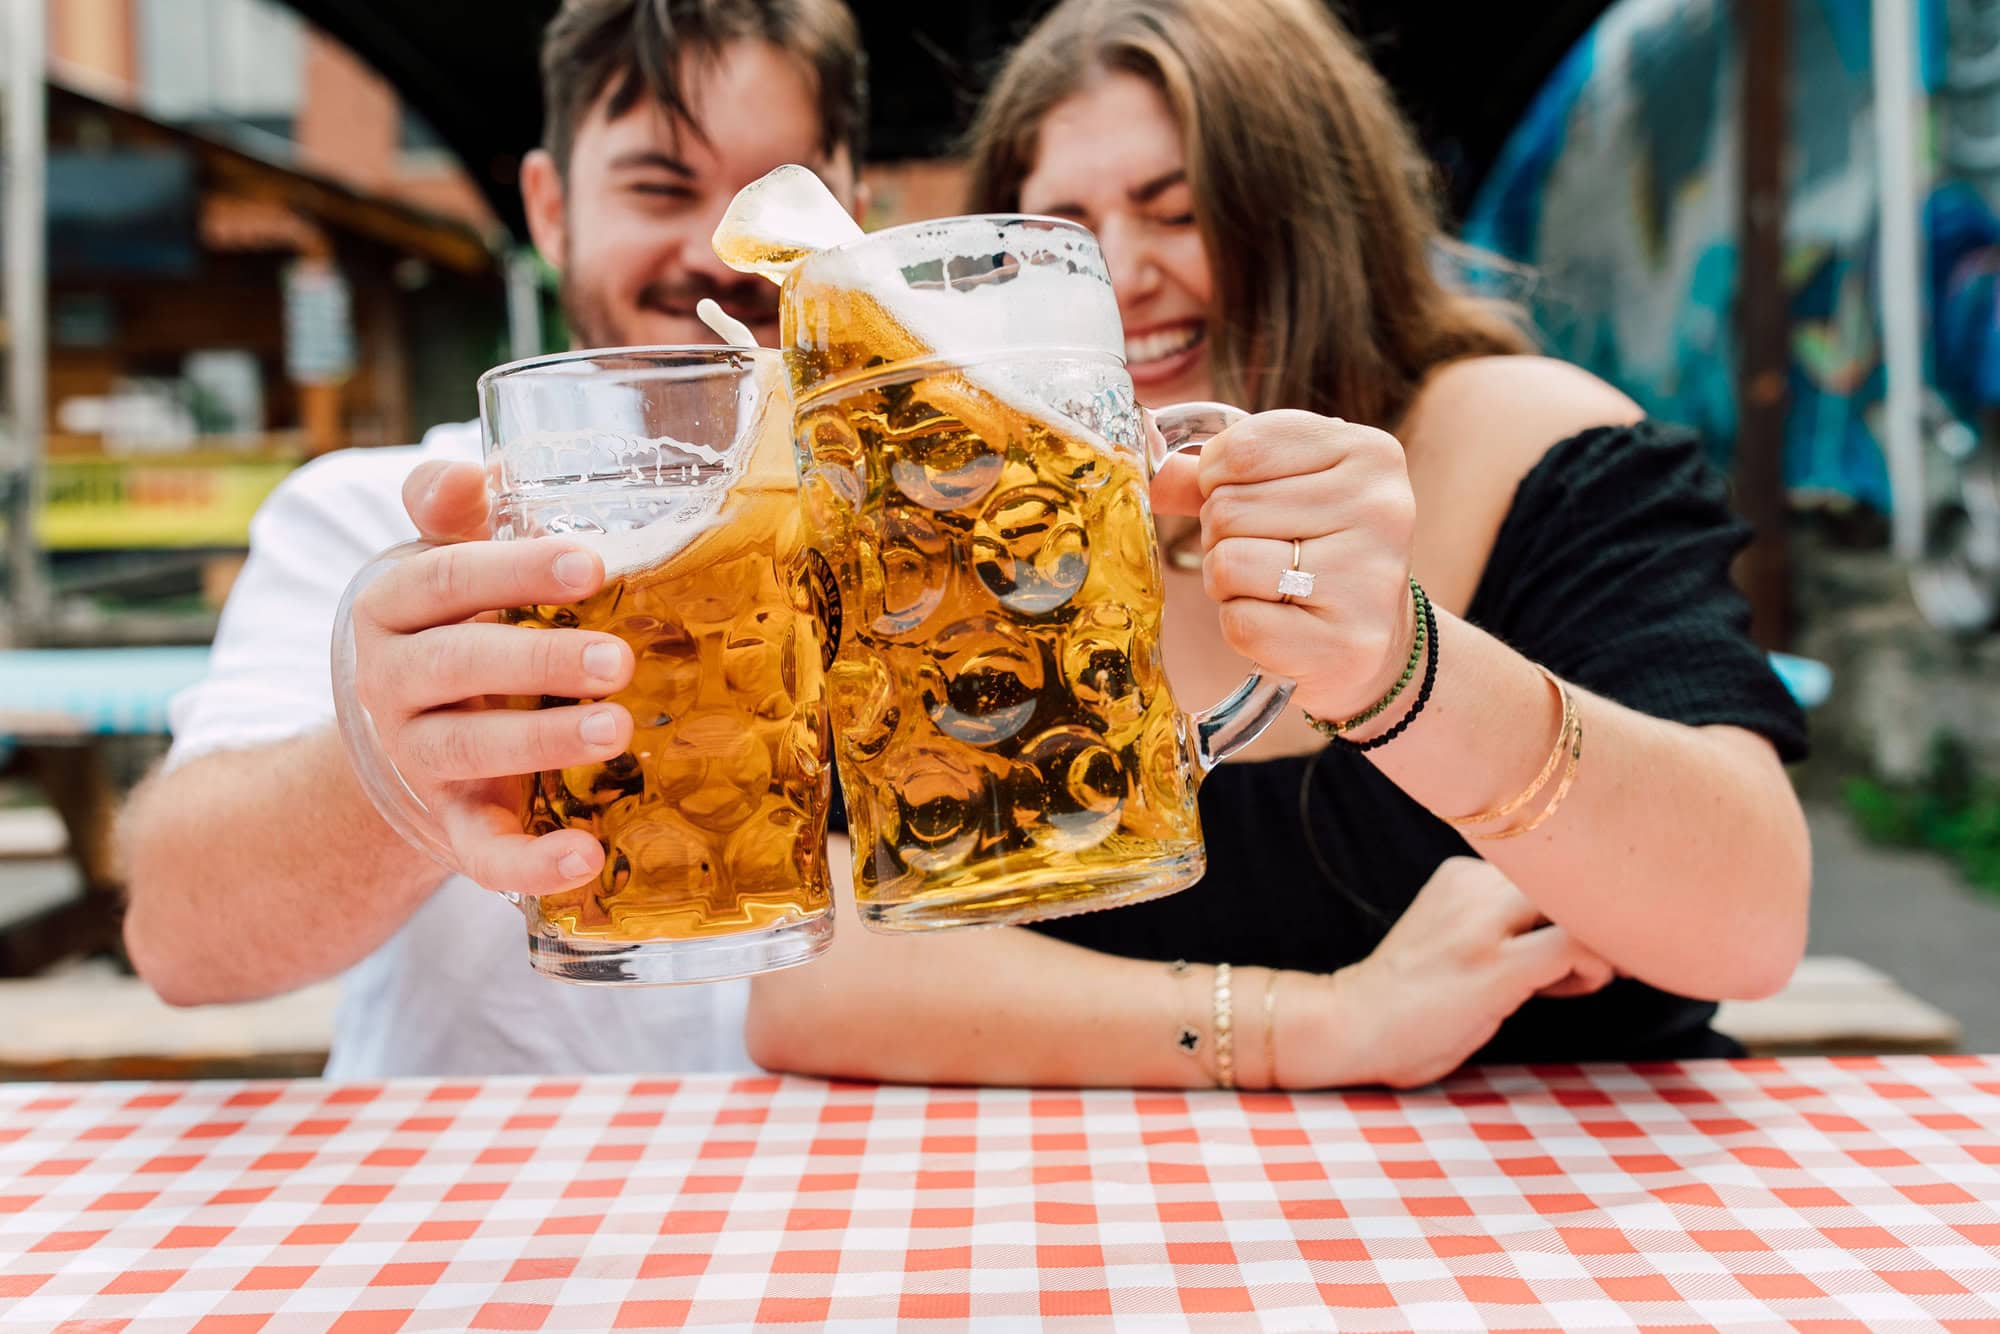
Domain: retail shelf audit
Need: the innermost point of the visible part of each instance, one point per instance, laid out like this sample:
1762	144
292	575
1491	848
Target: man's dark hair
638	48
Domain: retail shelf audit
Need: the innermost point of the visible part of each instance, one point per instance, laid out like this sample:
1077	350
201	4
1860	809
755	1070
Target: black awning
1464	72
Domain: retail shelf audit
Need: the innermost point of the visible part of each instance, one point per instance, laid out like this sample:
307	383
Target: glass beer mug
974	467
675	465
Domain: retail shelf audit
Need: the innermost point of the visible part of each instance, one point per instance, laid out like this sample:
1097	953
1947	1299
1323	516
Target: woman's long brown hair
1318	211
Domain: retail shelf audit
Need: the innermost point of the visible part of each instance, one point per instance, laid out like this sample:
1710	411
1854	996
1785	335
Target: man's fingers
447	501
454	583
454	663
459	745
493	852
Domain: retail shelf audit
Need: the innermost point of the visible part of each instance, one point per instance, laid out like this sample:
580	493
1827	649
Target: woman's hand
1343	492
1470	950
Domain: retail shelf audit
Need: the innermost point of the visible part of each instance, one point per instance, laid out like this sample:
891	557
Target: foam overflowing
973	292
1054	304
777	220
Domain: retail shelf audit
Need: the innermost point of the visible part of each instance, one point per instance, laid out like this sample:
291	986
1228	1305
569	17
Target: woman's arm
1680	853
1009	1006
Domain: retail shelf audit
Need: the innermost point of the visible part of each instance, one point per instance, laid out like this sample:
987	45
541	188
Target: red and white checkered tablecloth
1849	1194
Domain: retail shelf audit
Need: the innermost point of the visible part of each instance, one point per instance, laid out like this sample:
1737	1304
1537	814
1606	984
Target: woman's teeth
1161	344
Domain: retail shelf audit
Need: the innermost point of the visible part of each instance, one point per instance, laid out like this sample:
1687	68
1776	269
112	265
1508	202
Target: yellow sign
183	500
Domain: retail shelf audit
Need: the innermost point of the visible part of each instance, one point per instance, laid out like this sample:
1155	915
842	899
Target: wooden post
1763	329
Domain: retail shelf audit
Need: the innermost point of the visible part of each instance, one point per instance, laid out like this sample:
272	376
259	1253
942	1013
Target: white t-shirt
451	993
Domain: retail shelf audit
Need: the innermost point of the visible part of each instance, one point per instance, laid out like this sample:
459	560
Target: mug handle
392	796
1234	722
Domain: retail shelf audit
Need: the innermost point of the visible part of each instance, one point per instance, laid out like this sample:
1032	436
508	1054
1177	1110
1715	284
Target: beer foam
634	549
777	220
957	311
659	537
995	327
961	317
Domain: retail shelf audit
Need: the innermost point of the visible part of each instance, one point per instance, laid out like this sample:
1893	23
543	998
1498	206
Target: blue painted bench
58	709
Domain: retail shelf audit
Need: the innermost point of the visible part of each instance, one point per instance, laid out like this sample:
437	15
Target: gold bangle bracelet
1567	709
1562	788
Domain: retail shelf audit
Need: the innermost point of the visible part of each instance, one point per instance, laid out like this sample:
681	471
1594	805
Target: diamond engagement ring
1295	583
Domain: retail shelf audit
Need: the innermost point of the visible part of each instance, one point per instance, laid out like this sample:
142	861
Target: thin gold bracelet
1567	708
1271	1029
1562	788
1225	1037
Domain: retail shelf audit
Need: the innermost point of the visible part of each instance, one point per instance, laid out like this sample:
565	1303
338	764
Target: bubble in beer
713	769
1083	786
861	693
804	750
672	855
981	681
725	590
905	569
666	674
760	854
1165	761
1030	550
760	661
940	463
1125	564
1078	464
834	454
940	794
1106	659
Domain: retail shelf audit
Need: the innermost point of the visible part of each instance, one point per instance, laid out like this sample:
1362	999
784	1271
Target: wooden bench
92	1021
1839	1006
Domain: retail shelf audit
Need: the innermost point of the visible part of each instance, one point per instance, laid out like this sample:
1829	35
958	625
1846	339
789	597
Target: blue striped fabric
112	692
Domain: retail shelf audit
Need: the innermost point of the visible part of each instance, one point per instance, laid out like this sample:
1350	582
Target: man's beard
592	324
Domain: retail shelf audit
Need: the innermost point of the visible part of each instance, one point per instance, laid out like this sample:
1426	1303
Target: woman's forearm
997	1006
1680	853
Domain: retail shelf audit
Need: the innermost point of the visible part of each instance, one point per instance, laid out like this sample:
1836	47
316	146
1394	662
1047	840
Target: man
256	862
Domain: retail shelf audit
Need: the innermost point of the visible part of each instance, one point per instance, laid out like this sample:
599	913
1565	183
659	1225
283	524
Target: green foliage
1954	811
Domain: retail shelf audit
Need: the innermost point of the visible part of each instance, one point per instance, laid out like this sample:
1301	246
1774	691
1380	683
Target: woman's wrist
1341	700
1322	1032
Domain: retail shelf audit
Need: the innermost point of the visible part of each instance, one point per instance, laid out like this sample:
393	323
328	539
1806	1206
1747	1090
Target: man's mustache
752	300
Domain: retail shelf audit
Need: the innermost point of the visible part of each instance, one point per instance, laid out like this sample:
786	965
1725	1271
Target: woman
1273	242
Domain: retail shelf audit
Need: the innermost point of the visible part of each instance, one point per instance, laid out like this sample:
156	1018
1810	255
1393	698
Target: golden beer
714	821
1008	744
676	466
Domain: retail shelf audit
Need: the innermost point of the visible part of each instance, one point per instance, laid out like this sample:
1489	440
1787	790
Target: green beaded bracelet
1338	730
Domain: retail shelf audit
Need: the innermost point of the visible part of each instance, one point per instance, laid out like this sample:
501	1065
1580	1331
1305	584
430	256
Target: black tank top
1611	568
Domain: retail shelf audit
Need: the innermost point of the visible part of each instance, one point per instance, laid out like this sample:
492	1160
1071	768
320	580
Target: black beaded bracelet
1423	693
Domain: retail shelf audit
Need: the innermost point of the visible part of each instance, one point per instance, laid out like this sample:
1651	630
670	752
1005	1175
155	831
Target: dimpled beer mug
675	465
974	467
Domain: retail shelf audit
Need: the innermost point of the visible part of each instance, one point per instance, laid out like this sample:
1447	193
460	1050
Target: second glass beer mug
676	466
973	465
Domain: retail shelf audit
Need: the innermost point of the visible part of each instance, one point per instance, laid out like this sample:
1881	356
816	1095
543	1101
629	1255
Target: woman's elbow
792	1027
1773	941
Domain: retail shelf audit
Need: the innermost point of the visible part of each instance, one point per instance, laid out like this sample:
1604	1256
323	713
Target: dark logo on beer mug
819	594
